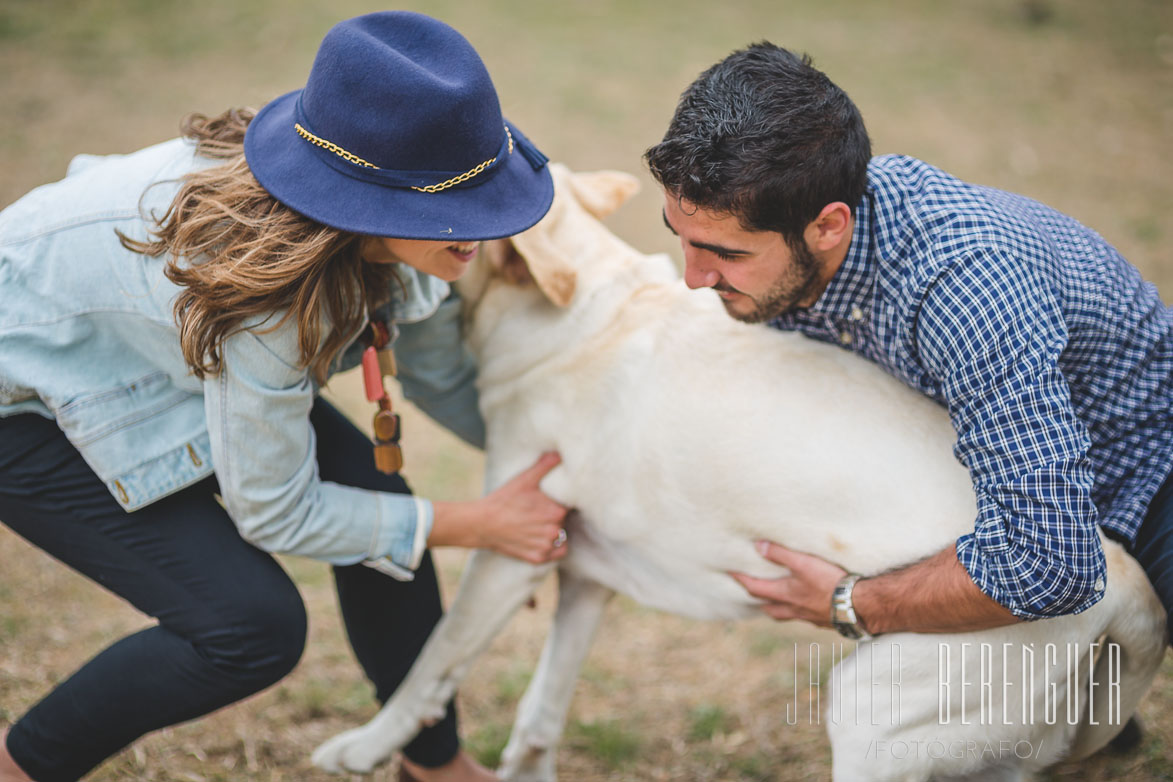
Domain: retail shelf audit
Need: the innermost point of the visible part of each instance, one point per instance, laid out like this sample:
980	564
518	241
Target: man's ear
832	226
602	192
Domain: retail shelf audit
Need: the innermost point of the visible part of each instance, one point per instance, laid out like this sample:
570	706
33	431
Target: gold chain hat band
353	158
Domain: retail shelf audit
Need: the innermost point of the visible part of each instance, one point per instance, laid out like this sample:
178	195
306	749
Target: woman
169	316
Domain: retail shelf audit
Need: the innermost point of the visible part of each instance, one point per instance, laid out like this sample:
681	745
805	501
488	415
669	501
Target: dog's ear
602	192
506	262
532	257
535	251
548	264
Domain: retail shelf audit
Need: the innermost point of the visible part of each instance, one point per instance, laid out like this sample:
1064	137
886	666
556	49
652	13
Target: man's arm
990	330
935	595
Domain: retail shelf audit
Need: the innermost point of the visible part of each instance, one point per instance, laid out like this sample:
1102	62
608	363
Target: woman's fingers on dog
546	462
522	521
545	543
558	553
558	546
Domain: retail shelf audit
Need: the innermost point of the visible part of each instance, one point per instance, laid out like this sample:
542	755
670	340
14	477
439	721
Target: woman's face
446	260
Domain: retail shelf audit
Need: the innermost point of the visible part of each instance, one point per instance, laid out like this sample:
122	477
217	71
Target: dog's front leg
492	589
531	752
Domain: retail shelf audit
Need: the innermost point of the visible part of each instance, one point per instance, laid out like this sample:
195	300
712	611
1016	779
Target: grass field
1069	101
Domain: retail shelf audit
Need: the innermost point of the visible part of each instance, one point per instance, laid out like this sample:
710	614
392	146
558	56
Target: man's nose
696	274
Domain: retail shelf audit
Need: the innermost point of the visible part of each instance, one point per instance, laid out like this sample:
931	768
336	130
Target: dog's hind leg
492	589
531	752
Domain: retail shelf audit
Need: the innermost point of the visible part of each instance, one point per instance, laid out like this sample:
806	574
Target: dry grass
1070	102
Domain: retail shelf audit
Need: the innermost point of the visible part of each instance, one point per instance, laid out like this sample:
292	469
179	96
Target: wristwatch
843	616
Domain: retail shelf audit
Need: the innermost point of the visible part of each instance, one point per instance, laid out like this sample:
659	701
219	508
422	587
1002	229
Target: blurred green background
1068	101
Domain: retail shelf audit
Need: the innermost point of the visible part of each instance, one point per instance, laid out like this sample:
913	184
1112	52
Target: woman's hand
521	521
517	519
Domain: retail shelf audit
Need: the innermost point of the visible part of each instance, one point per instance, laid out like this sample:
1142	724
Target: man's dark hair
766	137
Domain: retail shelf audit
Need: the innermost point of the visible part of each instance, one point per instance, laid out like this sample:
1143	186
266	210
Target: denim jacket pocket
97	415
123	432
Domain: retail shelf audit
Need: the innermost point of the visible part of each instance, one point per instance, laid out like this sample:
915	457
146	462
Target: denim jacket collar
417	296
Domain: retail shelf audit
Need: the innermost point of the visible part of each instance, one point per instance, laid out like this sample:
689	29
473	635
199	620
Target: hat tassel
530	152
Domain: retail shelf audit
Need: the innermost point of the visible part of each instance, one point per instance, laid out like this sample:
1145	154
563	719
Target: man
1052	355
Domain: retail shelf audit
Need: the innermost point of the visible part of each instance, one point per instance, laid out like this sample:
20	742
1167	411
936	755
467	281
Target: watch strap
843	616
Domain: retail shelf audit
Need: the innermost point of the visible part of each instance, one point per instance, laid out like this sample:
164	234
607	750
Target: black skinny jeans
230	621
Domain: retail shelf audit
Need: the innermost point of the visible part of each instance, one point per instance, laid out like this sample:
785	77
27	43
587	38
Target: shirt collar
853	282
417	295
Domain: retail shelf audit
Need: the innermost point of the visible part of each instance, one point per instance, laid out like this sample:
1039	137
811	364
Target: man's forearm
935	595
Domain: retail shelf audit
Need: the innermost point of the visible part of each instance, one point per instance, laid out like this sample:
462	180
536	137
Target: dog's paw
526	775
527	762
357	751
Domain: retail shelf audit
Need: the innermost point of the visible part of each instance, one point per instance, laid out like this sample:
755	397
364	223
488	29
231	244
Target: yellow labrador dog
685	437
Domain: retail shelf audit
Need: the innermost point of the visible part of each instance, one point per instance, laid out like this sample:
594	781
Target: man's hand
934	595
804	594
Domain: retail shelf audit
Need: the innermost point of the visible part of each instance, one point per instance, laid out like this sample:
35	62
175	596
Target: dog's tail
1132	648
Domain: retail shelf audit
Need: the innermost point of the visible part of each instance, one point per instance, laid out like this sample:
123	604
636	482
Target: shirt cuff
979	572
402	545
1013	591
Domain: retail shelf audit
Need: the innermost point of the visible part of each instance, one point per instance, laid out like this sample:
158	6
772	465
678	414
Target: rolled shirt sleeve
263	453
993	340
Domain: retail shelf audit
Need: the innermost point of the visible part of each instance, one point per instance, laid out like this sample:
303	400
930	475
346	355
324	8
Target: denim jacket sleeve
437	372
263	452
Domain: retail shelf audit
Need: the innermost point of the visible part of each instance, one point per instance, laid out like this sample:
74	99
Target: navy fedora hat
398	132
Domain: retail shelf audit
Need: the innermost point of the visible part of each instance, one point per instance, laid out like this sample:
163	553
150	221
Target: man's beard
799	283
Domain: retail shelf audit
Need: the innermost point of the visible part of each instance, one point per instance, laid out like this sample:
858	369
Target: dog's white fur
685	436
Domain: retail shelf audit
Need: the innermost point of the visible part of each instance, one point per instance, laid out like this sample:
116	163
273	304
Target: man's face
756	274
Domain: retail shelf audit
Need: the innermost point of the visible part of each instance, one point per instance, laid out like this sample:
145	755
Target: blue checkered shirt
1052	355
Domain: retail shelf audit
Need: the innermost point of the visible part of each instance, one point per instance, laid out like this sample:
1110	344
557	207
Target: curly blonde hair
238	253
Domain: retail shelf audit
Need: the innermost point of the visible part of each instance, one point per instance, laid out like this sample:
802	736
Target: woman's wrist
456	524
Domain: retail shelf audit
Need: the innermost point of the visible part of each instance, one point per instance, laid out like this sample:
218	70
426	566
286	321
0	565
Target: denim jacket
88	337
